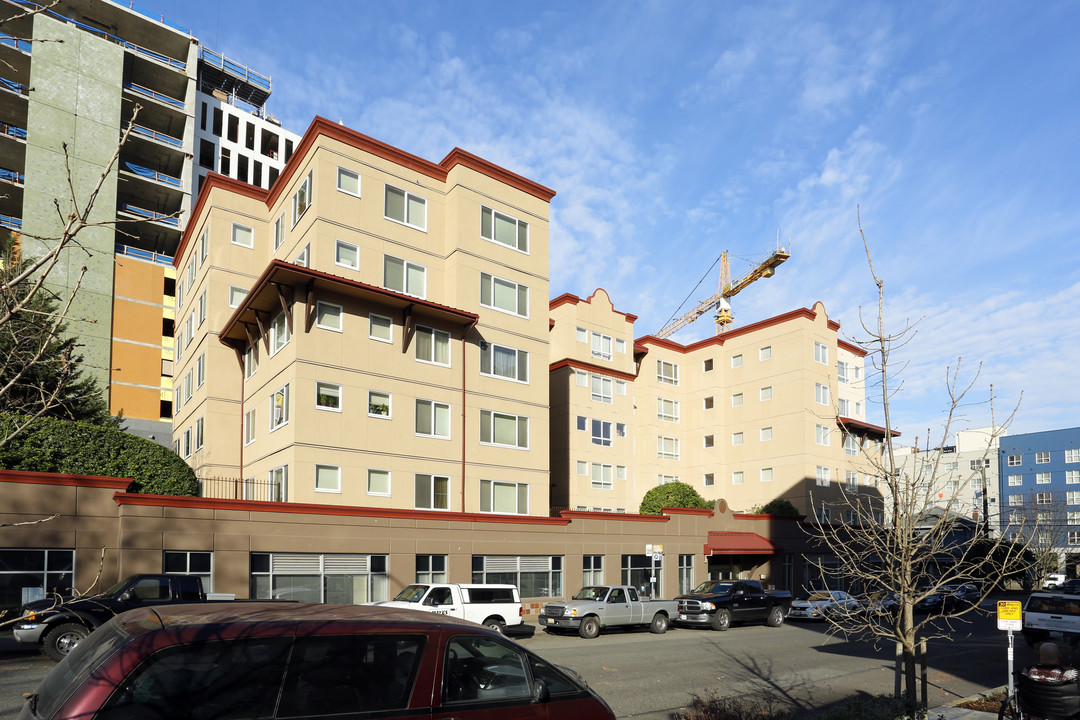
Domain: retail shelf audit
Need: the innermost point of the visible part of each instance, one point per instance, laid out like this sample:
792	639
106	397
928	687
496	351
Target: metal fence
237	489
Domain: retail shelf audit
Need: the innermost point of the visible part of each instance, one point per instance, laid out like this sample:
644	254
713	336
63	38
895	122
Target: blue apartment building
1040	481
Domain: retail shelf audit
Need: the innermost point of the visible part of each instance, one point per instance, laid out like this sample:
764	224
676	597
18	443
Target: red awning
738	543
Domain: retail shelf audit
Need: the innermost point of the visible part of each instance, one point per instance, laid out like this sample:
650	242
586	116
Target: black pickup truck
718	603
58	625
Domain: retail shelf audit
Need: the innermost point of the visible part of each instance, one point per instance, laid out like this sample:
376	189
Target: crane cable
683	303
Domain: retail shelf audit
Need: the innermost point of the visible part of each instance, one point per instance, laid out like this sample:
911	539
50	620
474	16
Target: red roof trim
214	180
457	156
587	515
44	478
579	365
866	427
313	509
572	298
719	339
703	512
851	348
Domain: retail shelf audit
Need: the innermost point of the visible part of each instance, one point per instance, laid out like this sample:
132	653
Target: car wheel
775	617
495	624
659	624
62	639
590	628
721	620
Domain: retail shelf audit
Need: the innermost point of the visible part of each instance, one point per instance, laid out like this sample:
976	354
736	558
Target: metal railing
149	174
12	176
154	94
165	218
11	222
235	69
250	489
12	131
155	135
139	253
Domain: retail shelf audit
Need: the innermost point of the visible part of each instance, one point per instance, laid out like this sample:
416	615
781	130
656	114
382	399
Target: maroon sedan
275	660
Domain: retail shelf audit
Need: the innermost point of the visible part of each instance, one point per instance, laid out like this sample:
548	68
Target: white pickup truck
496	606
598	606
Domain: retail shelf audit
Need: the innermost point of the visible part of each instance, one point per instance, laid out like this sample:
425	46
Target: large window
667	372
823	475
301	199
406	208
432	346
31	574
686	574
504	295
1015	460
601	388
821	434
601	433
504	429
1042	478
504	497
431	568
328	478
1072	456
404	277
667	409
432	419
821	353
592	570
535	576
501	228
638	571
667	448
432	492
278	489
504	362
349	579
602	476
821	394
1041	458
601	346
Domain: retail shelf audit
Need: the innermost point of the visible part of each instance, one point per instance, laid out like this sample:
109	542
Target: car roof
142	620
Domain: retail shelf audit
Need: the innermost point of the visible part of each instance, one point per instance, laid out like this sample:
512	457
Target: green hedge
672	494
80	448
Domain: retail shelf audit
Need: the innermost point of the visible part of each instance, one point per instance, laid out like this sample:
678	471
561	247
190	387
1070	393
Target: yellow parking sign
1009	615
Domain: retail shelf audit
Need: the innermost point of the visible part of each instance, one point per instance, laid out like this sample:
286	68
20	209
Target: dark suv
274	660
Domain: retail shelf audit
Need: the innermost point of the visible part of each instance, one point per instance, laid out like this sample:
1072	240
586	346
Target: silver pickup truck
599	606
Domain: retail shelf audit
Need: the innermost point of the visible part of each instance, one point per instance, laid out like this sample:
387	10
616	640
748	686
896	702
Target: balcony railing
155	135
11	222
14	42
250	489
12	131
165	218
160	97
149	174
15	87
234	68
12	176
156	258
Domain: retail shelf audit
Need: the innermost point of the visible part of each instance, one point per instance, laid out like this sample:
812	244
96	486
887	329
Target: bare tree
911	543
1040	520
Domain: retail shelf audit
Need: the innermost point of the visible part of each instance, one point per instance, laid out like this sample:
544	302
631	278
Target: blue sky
673	131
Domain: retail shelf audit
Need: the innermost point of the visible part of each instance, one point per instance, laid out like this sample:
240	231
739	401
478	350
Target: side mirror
126	597
540	691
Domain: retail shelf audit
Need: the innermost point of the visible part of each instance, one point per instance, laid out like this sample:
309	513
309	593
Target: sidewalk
955	713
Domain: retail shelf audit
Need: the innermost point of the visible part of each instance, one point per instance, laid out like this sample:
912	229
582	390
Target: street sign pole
1010	618
1010	662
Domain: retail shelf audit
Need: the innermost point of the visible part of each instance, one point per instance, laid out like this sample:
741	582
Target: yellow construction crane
720	301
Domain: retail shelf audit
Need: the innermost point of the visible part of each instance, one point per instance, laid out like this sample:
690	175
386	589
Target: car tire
62	639
721	620
659	624
590	628
496	624
775	618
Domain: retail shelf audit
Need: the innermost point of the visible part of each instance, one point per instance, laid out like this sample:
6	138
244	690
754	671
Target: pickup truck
718	603
599	606
58	625
495	606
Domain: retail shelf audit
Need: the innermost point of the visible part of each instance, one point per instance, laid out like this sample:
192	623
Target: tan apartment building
775	409
371	331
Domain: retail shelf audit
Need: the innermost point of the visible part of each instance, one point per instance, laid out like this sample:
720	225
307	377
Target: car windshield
412	593
591	593
72	671
819	597
711	586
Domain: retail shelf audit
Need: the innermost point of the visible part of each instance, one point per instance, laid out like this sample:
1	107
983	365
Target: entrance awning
738	543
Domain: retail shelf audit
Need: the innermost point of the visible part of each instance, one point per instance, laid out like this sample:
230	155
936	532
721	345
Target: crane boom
727	289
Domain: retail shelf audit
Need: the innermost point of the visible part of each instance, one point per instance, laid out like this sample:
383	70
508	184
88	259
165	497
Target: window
251	362
243	236
236	296
709	441
1016	500
592	570
348	181
821	353
535	576
1072	456
279	408
620	430
327	478
200	371
430	568
302	258
765	393
504	362
665	479
204	245
707	403
406	208
404	277
500	228
582	467
1015	480
346	255
1014	460
765	353
189	385
249	426
378	482
301	199
504	497
858	409
1072	477
841	371
821	434
310	577
843	407
279	334
182	562
432	346
328	316
707	365
667	448
581	334
980	463
1073	517
202	308
432	419
1074	537
1041	458
581	378
279	231
601	433
667	372
179	294
432	492
766	475
199	434
378	404
582	422
620	346
736	361
667	410
766	434
328	396
380	328
189	330
851	480
822	476
1042	478
737	477
601	346
737	400
187	443
505	295
736	439
601	388
851	445
1043	498
506	430
620	387
821	394
709	480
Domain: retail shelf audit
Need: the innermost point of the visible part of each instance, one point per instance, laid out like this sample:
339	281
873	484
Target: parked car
594	607
285	660
822	604
1071	586
496	606
1053	581
949	598
718	603
881	602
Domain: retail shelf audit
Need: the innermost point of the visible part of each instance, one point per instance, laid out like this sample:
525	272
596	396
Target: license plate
682	617
1057	634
